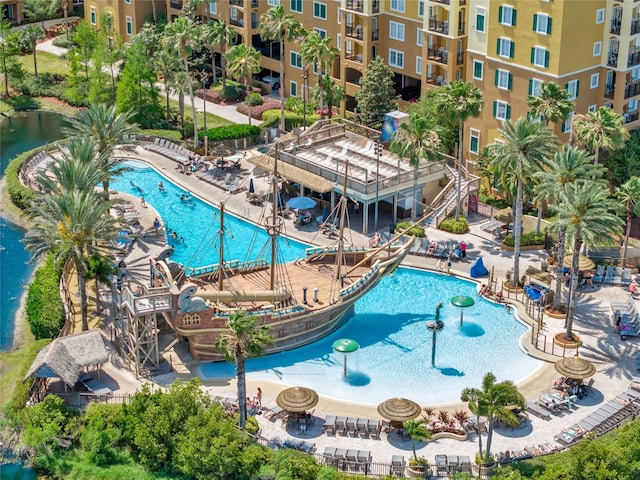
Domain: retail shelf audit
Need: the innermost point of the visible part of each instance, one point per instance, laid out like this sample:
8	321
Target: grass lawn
11	364
212	120
47	63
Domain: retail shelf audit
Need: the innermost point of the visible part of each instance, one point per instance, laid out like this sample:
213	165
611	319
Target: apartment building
128	16
12	10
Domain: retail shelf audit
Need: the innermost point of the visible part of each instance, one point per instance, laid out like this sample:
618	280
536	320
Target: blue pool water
198	223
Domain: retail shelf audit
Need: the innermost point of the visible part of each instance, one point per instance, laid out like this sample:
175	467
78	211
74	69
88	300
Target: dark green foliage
291	119
229	93
528	238
376	95
45	422
231	132
451	225
255	99
21	392
416	231
45	313
62	42
292	464
44	85
623	164
101	433
20	195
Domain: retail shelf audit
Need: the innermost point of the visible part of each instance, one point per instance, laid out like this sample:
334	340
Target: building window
93	15
633	105
542	24
505	47
597	49
540	57
592	108
396	31
481	13
273	3
477	69
600	15
534	87
129	24
339	42
474	140
295	60
419	65
566	125
320	10
295	6
213	8
396	58
191	319
501	110
595	80
507	15
573	87
397	5
421	8
420	37
293	89
504	79
320	31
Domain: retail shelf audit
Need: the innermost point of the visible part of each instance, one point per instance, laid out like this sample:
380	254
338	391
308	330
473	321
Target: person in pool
161	186
174	235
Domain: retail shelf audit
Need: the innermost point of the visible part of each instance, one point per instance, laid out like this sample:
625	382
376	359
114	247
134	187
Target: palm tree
216	32
168	65
417	430
30	35
108	129
100	269
569	165
244	338
491	401
600	130
629	195
417	140
552	103
460	100
276	25
333	93
244	61
184	35
319	50
589	216
74	222
527	145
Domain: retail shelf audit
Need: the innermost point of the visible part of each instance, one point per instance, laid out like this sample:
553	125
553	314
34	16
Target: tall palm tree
185	35
319	50
569	165
244	338
243	62
71	221
552	103
100	269
108	129
217	33
30	35
460	100
417	140
168	65
491	401
589	216
333	93
600	130
417	430
629	196
276	25
527	145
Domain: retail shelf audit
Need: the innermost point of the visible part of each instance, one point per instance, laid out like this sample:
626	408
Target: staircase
445	203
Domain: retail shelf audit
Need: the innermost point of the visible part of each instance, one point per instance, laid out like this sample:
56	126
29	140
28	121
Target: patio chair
599	276
397	465
362	427
442	465
329	424
341	425
350	426
626	276
617	276
307	446
374	427
329	455
608	275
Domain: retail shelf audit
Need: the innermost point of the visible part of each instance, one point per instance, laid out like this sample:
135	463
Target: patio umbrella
251	189
584	262
505	215
399	409
301	203
222	150
297	399
575	367
345	345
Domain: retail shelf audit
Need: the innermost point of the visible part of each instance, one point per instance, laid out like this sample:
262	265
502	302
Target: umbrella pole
461	315
433	350
345	365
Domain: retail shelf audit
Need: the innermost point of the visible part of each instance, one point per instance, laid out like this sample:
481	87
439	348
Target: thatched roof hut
65	357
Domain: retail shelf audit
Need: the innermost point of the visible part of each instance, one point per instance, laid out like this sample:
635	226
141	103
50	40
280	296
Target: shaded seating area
93	386
349	460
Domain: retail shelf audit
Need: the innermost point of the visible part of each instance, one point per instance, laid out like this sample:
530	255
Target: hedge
44	309
451	225
291	119
170	134
231	132
527	238
19	194
416	231
21	392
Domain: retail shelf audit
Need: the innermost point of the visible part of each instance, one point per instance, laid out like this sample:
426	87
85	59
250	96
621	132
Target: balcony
612	60
237	22
237	3
442	2
632	89
375	34
462	3
630	116
459	58
616	25
634	58
356	5
461	26
635	26
254	3
375	7
176	4
354	57
440	27
354	32
609	91
438	55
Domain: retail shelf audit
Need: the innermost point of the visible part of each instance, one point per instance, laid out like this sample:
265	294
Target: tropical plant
217	33
319	50
244	338
417	140
376	94
168	65
460	100
417	430
9	51
276	25
629	196
40	10
526	148
551	103
333	93
243	62
100	269
490	401
569	165
30	36
600	130
588	214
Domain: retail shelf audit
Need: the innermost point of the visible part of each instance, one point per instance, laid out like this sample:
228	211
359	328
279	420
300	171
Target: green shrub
45	313
19	194
291	119
255	99
44	85
450	225
527	238
62	42
231	132
416	231
229	93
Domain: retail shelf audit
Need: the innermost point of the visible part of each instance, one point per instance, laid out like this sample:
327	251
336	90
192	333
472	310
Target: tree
460	100
275	25
491	401
243	61
244	338
40	10
569	165
527	145
333	93
417	430
44	423
376	95
216	32
184	35
319	50
108	129
417	140
109	50
551	103
85	40
30	36
100	269
629	196
588	214
625	163
9	52
600	130
168	65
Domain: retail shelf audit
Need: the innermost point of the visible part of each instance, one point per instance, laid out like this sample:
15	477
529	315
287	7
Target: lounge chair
329	424
307	446
442	465
95	387
341	424
362	427
599	276
626	276
608	275
374	427
538	411
617	276
350	426
397	465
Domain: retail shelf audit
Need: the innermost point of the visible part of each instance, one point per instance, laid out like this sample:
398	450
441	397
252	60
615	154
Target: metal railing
440	56
634	58
356	5
632	90
438	26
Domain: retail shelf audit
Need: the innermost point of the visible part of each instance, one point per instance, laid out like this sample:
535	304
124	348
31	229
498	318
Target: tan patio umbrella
399	409
297	399
584	262
505	215
575	367
221	150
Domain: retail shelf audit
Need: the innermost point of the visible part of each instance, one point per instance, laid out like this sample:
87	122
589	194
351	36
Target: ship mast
221	249
274	220
343	209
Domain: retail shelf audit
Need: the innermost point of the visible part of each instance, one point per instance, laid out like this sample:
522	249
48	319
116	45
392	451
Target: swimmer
174	235
161	186
156	224
181	240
